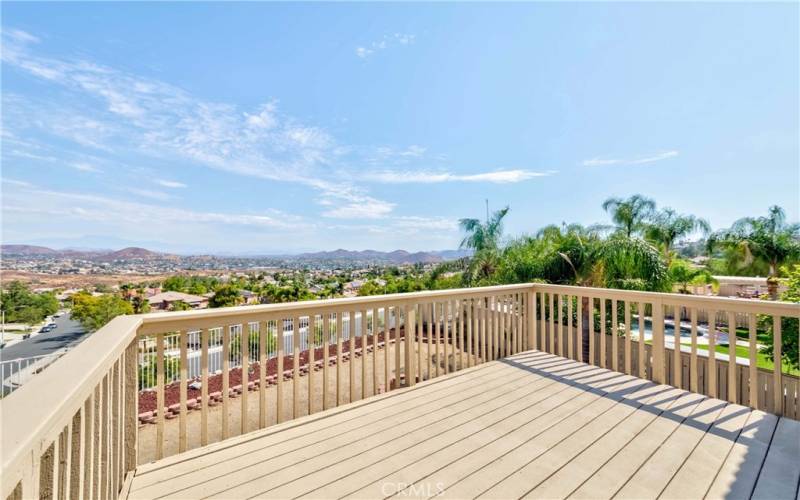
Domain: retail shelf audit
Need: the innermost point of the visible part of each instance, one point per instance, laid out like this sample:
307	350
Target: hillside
132	253
124	254
26	250
395	257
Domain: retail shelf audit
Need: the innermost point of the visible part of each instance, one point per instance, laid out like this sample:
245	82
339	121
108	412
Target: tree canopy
769	239
482	236
631	214
21	305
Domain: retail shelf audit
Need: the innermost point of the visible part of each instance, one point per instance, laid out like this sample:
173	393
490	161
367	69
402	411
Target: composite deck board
533	425
455	461
611	475
781	468
654	475
699	469
737	476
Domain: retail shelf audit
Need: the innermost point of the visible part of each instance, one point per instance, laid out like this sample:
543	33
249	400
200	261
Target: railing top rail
35	413
788	309
207	318
266	309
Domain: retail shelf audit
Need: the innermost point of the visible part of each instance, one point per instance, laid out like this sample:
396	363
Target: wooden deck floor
534	425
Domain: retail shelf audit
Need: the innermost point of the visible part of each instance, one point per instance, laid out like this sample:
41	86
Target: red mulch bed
148	400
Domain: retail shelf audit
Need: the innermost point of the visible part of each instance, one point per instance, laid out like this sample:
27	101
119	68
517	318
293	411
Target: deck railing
149	386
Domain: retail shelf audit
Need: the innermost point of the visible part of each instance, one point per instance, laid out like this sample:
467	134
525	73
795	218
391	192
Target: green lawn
762	360
744	334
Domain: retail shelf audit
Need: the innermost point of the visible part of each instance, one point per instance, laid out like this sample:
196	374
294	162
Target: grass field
762	360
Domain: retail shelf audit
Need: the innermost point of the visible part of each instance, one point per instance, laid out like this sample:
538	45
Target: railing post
659	375
531	319
777	359
410	331
131	431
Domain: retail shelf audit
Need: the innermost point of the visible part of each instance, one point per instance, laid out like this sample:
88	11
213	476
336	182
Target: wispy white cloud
170	184
129	214
601	162
424	177
17	183
387	41
266	118
363	52
436	227
161	120
412	151
369	208
658	157
430	223
21	36
149	193
84	167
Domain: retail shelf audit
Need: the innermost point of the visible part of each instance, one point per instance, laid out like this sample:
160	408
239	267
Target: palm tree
630	214
770	239
667	226
482	236
483	266
582	258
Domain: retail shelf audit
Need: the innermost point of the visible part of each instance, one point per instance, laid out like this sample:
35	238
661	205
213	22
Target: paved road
68	333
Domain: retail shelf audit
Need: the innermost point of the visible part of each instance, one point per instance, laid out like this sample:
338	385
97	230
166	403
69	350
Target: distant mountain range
340	255
395	257
129	253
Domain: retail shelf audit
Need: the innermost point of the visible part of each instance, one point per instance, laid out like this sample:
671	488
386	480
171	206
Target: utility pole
487	210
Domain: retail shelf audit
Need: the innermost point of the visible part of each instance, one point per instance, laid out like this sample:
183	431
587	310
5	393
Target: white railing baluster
603	360
693	369
351	337
658	341
753	358
184	376
311	346
711	370
677	363
295	366
777	370
264	333
339	344
160	406
244	348
628	353
326	338
205	335
733	393
579	316
614	335
642	371
226	355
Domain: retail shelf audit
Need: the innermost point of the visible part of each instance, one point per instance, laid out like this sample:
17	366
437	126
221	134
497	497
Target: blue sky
256	127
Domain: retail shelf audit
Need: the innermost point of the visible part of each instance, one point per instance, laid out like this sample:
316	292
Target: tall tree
667	226
630	214
483	235
770	239
225	296
94	312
